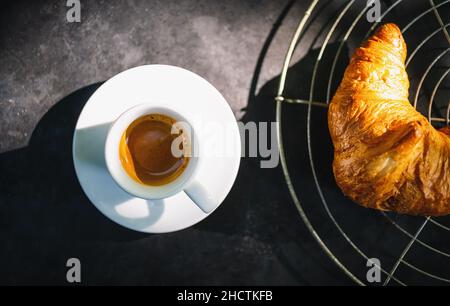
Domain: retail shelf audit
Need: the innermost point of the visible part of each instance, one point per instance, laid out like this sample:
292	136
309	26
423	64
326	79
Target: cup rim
118	173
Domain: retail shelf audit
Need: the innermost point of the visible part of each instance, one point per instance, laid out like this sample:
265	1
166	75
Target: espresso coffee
145	150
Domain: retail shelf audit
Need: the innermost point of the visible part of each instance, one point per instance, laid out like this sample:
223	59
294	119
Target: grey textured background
48	70
44	58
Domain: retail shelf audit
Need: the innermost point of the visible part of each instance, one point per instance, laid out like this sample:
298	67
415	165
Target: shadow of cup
41	197
89	150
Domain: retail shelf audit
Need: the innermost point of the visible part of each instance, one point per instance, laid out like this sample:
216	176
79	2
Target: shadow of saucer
41	196
259	206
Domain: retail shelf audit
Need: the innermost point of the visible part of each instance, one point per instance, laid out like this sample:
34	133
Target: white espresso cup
186	182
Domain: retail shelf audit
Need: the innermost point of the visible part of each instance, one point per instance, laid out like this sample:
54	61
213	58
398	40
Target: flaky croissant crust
387	155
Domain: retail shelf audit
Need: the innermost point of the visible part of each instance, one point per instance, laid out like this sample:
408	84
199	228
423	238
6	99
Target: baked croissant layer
387	155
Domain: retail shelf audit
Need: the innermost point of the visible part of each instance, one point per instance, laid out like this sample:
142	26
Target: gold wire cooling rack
411	250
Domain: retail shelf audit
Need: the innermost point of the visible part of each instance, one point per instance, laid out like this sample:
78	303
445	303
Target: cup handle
200	196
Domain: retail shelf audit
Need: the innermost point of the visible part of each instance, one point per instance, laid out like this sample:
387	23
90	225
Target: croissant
387	156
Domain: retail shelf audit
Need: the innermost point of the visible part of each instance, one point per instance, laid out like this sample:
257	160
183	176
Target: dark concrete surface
44	58
48	70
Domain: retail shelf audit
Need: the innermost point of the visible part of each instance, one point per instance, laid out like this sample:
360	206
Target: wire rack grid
433	101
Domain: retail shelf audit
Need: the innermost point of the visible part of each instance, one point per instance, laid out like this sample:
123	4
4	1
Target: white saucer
179	89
